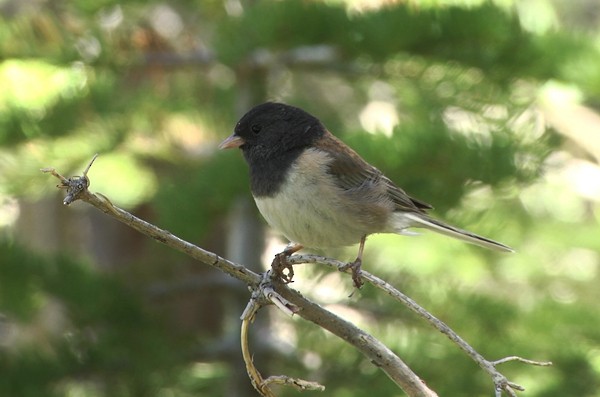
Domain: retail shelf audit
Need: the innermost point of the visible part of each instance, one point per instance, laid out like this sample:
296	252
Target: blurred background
488	110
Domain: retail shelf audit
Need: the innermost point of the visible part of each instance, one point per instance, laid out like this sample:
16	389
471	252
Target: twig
74	185
255	377
298	384
501	383
379	354
77	189
262	295
522	360
373	349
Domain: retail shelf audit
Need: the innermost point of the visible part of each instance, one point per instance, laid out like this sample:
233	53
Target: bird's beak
231	142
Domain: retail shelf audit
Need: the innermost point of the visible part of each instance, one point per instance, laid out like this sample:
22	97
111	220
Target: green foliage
111	337
153	87
35	100
484	36
211	197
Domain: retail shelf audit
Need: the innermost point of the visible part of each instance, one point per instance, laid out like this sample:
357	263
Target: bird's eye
256	128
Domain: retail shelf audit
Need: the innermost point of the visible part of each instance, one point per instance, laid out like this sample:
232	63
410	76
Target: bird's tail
422	220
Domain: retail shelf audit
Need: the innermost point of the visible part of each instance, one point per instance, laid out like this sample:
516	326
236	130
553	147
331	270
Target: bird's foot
282	268
355	267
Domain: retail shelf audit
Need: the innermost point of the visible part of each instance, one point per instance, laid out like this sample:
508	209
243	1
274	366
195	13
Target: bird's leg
280	263
355	266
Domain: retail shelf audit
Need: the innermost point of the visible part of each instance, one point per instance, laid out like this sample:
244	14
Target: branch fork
263	295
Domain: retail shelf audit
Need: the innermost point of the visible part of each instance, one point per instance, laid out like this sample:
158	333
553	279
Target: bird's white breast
309	208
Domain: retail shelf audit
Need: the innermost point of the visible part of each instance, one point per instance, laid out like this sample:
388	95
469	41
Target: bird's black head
271	130
272	136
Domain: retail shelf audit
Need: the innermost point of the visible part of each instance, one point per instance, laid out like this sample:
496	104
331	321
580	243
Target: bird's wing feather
352	172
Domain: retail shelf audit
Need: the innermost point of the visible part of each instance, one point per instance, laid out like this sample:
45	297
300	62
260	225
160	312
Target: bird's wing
352	172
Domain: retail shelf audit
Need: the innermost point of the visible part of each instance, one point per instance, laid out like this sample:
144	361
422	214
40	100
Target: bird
319	193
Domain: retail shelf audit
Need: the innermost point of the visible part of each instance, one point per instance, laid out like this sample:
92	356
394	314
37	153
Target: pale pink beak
231	142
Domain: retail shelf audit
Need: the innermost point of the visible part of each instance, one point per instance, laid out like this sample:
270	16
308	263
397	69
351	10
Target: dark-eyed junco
318	192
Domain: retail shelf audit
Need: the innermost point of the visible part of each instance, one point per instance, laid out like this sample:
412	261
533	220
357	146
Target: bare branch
522	360
377	352
289	300
501	383
255	377
77	189
298	384
259	297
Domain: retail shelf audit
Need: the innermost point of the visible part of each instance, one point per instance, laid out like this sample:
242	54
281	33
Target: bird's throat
267	175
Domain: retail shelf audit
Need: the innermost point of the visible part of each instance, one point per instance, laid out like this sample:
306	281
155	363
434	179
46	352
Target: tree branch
77	189
379	354
286	299
256	302
501	383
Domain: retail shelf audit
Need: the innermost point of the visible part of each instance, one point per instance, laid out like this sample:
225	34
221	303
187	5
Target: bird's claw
355	267
282	268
